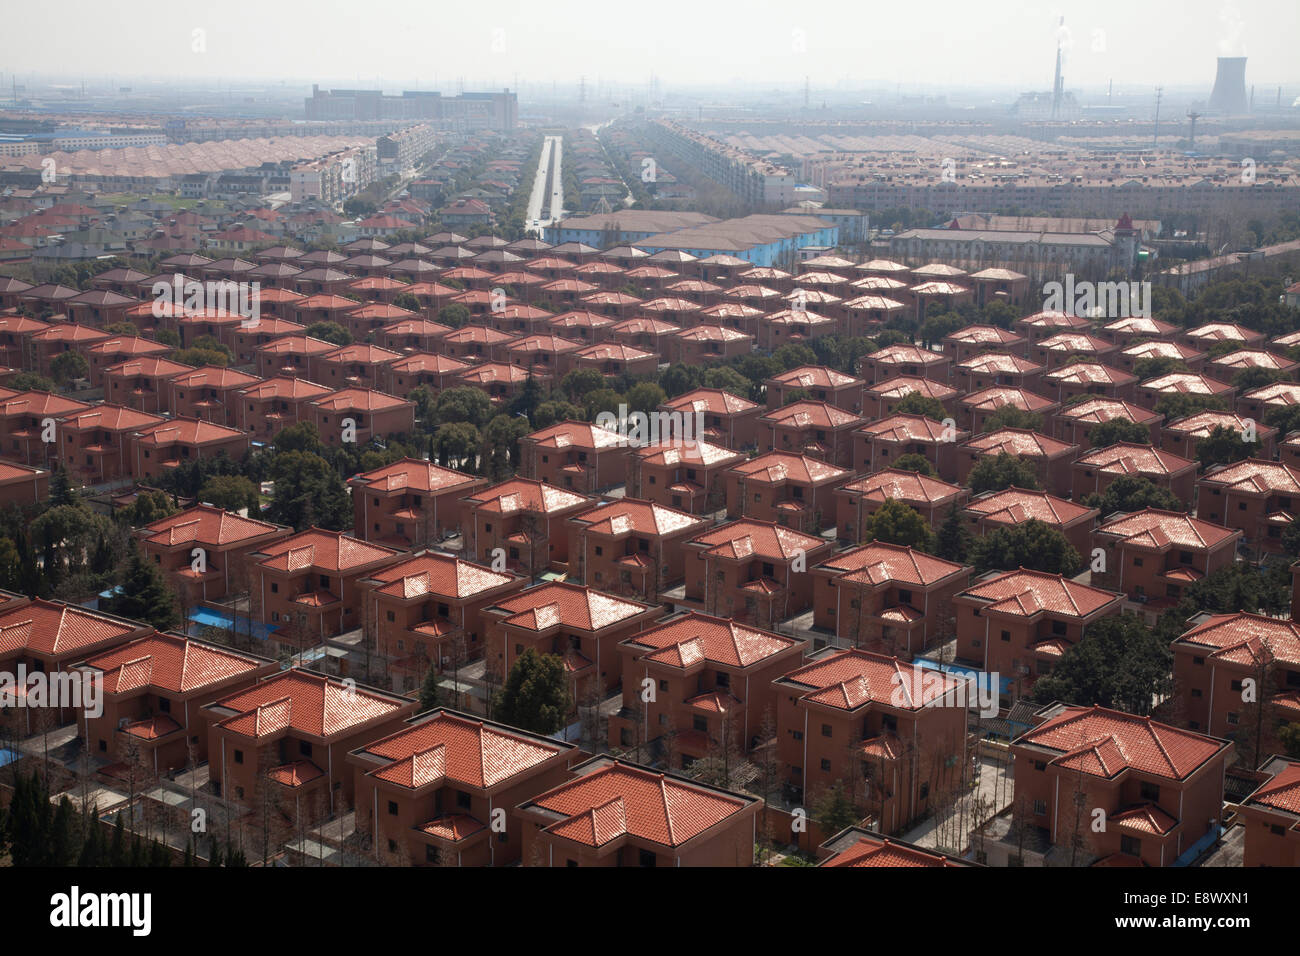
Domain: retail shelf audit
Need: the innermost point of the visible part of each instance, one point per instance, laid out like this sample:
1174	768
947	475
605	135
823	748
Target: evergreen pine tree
117	849
61	492
430	692
954	538
145	596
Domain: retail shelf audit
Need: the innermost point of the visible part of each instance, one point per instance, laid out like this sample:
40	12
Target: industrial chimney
1229	95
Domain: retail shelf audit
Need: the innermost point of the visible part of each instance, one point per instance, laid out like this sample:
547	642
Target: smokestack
1229	95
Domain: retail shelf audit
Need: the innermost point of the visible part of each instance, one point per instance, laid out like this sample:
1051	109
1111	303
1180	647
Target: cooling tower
1229	94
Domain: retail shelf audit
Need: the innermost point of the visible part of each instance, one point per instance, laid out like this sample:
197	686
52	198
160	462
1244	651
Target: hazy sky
851	43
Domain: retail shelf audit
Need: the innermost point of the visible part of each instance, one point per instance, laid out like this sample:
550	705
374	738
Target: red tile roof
633	515
1020	442
571	434
908	428
57	629
621	800
695	637
745	538
1106	743
900	386
1282	792
711	400
451	750
414	474
319	550
1255	476
306	702
1025	593
810	414
187	431
872	850
1125	458
440	575
853	678
203	524
111	417
1162	530
168	663
1014	505
891	483
775	467
1101	409
524	494
567	605
1242	637
878	562
677	451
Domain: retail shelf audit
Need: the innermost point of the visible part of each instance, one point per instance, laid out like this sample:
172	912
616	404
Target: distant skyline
940	44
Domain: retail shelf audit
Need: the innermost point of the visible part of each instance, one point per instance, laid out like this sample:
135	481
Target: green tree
330	332
1129	493
915	461
601	400
1157	366
198	357
794	356
456	444
580	382
535	695
454	315
1117	430
1120	663
145	596
645	397
553	412
1000	472
231	493
1177	405
834	810
303	436
430	691
1027	544
308	492
897	523
148	507
915	403
1009	416
1223	446
464	403
953	541
67	366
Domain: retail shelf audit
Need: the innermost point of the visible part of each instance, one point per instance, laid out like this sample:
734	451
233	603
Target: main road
552	149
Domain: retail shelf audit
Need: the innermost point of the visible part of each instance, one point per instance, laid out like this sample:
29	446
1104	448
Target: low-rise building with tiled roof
905	360
1089	378
154	689
1074	422
410	503
523	520
976	408
886	597
686	474
1159	788
1096	468
268	407
858	715
1255	495
1050	457
753	571
880	444
822	384
204	551
285	740
791	490
426	611
816	429
712	686
729	420
577	456
881	399
1012	506
631	546
307	587
580	624
97	443
1214	659
856	847
1018	623
620	814
157	449
1271	815
440	791
857	500
1153	556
